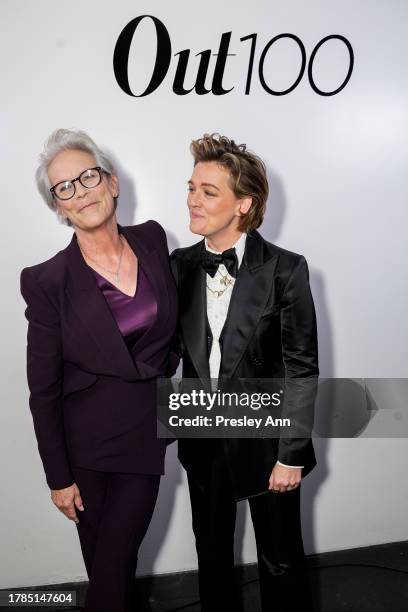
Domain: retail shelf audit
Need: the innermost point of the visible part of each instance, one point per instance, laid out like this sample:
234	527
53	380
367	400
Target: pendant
116	278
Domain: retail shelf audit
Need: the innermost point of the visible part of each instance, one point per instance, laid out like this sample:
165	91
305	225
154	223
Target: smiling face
88	208
214	209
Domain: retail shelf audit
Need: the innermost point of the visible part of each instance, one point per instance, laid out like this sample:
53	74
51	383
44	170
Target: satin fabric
134	314
270	332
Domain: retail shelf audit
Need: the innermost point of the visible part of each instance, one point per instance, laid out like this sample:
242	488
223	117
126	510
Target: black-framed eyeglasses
65	190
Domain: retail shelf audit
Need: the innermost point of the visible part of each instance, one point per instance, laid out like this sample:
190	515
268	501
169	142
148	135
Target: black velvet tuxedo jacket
270	332
92	399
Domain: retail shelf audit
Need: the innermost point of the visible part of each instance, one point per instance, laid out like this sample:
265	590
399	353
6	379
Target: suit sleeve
300	357
174	356
45	376
177	345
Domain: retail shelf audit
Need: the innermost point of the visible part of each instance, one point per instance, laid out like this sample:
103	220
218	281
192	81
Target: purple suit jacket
93	401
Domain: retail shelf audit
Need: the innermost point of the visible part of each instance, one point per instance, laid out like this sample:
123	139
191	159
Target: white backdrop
338	195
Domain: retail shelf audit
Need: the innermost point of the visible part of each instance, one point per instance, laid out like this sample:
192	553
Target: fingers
70	512
291	487
78	501
284	479
282	488
67	500
67	507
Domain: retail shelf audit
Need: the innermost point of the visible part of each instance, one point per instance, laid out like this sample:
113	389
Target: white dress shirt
217	308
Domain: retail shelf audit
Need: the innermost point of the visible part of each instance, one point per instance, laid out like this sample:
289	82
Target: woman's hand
67	500
284	478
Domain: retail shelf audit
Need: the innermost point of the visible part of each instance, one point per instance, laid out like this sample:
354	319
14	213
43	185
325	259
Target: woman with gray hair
101	315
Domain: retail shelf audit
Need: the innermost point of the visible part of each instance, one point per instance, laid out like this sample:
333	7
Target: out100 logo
164	56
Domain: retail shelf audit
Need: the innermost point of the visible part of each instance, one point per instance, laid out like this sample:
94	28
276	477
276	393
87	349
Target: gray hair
63	140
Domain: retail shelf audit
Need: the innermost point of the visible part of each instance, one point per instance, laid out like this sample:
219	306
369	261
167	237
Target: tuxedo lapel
193	312
92	309
249	297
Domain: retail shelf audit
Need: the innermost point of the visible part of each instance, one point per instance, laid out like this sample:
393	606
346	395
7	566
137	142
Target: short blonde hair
247	173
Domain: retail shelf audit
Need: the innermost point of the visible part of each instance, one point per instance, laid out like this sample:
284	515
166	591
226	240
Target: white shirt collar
239	247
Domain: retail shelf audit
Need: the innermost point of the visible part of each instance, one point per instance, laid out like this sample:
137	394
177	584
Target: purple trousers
118	510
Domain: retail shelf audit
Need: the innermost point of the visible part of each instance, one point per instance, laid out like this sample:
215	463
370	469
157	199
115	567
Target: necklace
217	293
226	281
115	274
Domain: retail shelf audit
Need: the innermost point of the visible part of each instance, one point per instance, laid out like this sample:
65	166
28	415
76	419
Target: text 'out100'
121	58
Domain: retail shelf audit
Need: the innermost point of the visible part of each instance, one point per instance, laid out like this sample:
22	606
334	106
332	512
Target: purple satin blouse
133	315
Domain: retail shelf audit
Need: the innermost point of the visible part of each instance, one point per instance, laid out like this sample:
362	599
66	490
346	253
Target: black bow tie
211	261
